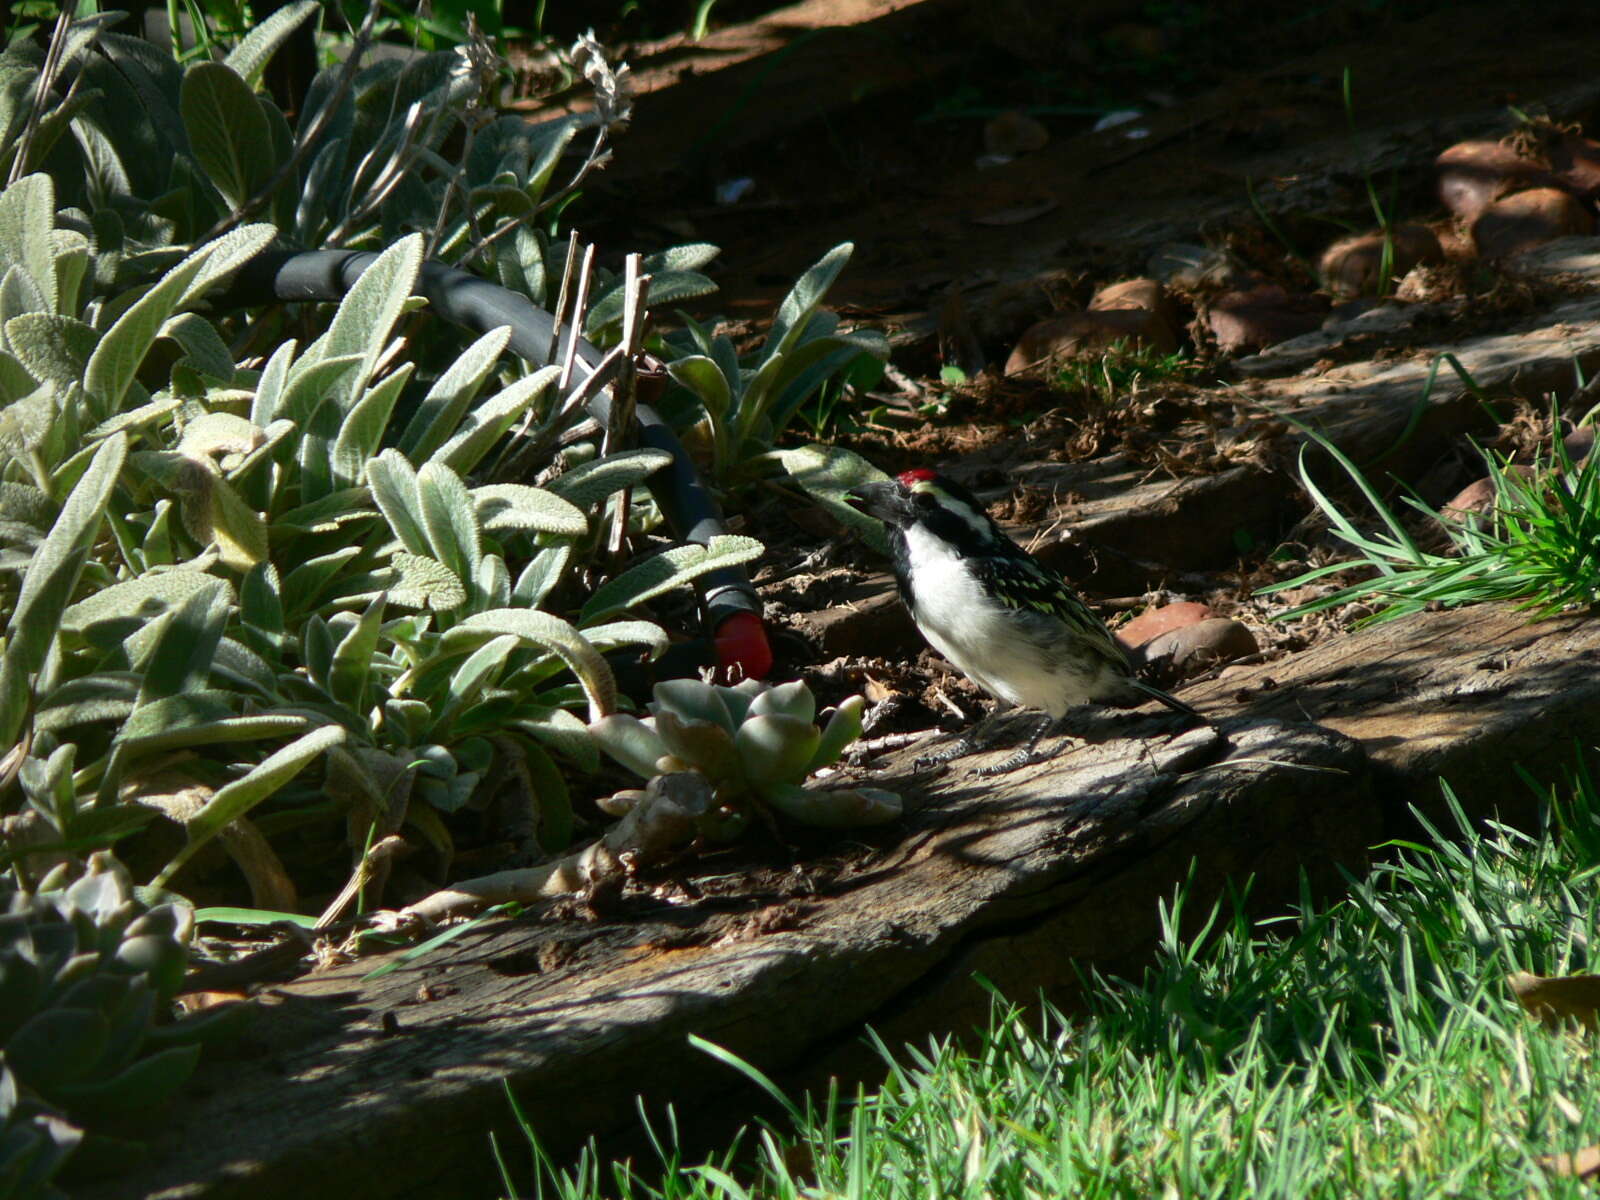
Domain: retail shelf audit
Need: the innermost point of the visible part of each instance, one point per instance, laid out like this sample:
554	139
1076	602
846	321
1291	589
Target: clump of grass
1539	545
1123	367
1365	1048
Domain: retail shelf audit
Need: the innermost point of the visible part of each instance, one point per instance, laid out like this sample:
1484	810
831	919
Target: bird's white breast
979	635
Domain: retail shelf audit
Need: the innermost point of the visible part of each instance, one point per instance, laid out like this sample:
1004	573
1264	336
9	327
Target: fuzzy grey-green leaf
228	132
587	485
423	582
665	571
518	508
547	633
239	797
48	584
250	57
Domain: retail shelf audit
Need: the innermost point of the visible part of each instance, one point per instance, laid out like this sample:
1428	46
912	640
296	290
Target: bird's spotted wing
1021	582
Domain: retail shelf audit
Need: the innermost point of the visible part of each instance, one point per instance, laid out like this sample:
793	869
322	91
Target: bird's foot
965	744
973	739
1026	755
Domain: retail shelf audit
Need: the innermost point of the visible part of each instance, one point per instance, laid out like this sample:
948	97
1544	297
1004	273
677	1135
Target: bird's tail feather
1171	702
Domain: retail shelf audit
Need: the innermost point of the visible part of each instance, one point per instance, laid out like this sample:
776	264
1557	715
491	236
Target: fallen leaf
194	1002
1585	1164
1554	999
875	691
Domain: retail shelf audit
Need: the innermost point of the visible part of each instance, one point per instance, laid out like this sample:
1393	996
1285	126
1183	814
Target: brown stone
1579	443
1479	495
1161	620
1353	266
1089	333
1261	317
1143	293
1577	161
1472	175
1192	648
1528	219
1012	133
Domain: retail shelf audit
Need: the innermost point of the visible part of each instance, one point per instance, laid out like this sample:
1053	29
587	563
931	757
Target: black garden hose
476	304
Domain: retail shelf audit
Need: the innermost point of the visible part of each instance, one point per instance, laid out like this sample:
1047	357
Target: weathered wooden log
390	1087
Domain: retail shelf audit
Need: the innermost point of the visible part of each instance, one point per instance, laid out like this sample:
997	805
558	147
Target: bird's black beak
880	500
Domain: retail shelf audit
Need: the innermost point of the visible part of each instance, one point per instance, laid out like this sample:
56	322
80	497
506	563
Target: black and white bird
1006	621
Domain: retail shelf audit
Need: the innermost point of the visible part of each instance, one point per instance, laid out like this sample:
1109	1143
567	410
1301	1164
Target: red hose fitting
742	650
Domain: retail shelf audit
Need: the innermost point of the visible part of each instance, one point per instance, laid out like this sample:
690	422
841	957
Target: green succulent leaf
787	699
842	729
694	700
146	1084
630	742
57	1046
776	748
835	808
707	746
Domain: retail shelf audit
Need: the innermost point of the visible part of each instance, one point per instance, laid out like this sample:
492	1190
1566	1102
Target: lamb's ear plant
1539	543
756	745
229	592
744	404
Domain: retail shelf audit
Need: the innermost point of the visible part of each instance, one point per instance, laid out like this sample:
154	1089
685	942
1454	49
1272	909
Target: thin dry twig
624	396
41	91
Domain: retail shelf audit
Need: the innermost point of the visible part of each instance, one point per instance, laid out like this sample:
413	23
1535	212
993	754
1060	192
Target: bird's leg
1028	754
973	739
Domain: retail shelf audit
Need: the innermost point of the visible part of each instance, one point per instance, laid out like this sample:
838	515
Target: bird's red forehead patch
916	475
